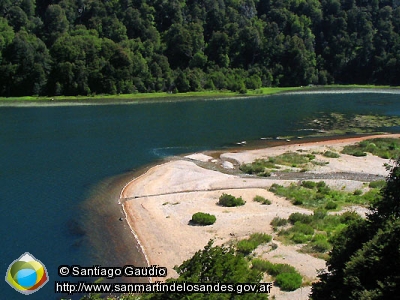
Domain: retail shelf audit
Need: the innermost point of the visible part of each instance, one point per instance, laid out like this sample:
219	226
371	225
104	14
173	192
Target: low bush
309	184
261	265
276	269
258	167
247	246
357	192
331	154
331	205
299	217
319	237
353	151
286	276
321	223
275	188
321	184
302	228
383	147
300	238
260	238
278	222
322	188
318	197
321	246
289	281
230	201
319	214
293	159
378	184
262	200
201	218
349	216
321	163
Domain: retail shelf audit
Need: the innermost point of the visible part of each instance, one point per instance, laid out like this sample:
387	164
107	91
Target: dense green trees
365	259
214	264
88	47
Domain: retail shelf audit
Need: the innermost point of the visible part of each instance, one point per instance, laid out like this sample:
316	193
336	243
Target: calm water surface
56	162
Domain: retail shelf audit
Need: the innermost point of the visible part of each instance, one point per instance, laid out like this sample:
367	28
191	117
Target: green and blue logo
27	274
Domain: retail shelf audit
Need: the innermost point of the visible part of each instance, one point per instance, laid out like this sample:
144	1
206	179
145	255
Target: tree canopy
73	47
365	260
214	264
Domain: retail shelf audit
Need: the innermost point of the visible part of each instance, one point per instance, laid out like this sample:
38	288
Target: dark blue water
51	157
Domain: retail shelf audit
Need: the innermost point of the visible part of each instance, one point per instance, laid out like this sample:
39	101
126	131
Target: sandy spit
160	203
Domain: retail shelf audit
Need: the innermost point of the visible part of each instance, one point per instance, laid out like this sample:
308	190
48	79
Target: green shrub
262	200
357	192
261	265
331	205
383	147
299	217
266	173
385	155
246	246
302	228
349	216
230	201
251	168
300	238
353	151
250	244
319	237
260	238
321	184
318	198
201	218
258	167
276	269
319	214
359	153
321	246
331	154
289	281
278	222
284	232
309	184
378	184
310	156
293	158
275	187
323	188
321	163
298	202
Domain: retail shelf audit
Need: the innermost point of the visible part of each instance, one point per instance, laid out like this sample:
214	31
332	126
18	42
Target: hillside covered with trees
87	47
365	260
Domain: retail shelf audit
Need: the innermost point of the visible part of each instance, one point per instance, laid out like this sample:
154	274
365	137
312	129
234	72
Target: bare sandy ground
160	203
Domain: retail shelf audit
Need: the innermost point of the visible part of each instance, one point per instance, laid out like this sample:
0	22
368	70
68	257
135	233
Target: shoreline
145	98
114	243
129	221
152	217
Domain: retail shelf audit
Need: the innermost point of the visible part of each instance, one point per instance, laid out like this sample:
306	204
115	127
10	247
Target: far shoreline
138	232
143	98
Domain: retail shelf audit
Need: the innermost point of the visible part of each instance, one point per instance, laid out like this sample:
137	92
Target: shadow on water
109	237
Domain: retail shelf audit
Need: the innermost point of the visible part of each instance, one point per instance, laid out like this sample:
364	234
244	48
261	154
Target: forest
91	47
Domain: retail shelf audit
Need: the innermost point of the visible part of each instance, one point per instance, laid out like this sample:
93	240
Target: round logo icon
27	274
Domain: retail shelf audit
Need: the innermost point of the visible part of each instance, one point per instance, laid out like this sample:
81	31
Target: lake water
60	166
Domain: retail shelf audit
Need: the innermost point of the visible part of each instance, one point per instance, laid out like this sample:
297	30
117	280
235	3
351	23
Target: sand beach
160	203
